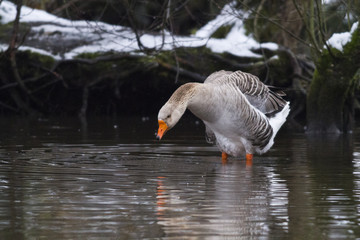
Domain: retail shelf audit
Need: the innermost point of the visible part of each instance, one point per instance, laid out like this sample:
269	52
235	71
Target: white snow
8	12
328	1
226	17
105	37
236	42
339	40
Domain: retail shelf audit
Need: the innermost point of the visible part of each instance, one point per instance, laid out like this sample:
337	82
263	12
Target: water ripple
90	187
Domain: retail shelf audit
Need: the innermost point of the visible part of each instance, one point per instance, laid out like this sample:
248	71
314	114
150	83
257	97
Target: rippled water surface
110	179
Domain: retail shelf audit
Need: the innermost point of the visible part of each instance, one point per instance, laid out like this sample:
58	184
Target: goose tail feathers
279	118
276	121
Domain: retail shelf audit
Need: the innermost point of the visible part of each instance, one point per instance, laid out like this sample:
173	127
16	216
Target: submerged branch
85	97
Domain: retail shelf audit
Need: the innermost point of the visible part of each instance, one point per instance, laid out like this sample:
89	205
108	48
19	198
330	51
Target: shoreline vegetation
51	65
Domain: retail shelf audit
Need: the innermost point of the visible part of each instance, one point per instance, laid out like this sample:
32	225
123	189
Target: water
110	179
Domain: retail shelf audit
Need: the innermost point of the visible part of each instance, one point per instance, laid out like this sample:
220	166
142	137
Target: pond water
110	179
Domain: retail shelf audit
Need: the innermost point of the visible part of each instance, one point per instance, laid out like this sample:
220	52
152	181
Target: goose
241	114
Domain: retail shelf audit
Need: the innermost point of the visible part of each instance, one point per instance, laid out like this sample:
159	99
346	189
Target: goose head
175	107
168	117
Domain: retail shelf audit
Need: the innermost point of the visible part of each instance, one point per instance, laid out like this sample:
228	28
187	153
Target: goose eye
168	116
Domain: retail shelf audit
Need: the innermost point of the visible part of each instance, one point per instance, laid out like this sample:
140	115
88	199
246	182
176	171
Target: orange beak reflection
162	129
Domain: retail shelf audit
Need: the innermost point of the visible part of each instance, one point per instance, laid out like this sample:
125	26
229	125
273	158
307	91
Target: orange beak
162	129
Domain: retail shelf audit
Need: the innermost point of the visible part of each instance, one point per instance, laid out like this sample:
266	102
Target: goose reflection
232	200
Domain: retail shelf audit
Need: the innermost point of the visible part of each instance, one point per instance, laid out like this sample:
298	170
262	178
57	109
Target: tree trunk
330	101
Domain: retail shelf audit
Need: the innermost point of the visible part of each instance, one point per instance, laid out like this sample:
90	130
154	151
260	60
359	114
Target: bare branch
321	23
309	29
64	6
12	49
279	26
258	10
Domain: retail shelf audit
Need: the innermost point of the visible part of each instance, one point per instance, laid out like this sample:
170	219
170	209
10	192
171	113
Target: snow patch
236	42
102	37
339	40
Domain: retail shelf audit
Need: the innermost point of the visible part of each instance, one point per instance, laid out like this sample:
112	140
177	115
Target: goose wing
258	94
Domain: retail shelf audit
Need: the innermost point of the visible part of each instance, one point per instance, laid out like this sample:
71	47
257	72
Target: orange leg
224	157
249	159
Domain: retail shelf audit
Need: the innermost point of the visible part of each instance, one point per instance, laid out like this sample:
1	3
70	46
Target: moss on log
330	101
121	83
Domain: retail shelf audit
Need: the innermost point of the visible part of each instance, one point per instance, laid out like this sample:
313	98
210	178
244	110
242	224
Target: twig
183	72
64	6
321	30
46	85
310	30
8	106
258	10
280	26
